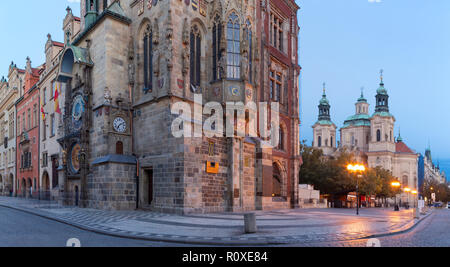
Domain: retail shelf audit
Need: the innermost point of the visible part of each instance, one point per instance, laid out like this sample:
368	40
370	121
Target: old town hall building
123	67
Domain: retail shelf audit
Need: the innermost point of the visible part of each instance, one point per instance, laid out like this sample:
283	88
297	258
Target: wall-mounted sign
212	167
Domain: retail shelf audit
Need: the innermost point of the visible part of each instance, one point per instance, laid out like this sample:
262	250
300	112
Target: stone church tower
325	129
382	129
135	60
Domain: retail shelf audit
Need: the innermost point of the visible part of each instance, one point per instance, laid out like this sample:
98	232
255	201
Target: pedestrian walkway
274	227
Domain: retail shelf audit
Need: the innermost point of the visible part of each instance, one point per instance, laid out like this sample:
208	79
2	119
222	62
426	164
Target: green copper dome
357	121
381	90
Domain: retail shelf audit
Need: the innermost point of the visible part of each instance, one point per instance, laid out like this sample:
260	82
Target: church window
378	136
319	141
281	139
233	47
276	32
250	52
331	141
195	64
148	60
217	34
405	181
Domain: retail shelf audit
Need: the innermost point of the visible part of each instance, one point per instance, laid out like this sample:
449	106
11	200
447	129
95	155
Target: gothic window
320	141
331	141
217	33
378	136
250	52
148	59
233	47
196	52
281	139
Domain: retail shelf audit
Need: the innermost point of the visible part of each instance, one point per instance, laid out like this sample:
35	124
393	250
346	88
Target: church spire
324	106
382	96
399	139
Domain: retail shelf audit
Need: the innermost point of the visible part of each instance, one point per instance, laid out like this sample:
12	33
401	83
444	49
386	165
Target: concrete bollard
250	223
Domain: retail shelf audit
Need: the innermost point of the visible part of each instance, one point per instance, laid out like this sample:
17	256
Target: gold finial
381	75
324	88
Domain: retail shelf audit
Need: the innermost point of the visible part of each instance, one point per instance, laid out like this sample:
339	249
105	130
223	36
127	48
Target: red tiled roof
58	44
401	147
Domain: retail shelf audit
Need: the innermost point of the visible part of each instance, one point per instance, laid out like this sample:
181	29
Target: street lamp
397	185
407	191
359	170
414	192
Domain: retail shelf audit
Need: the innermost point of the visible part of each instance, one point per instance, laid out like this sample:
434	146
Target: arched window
281	139
319	141
148	59
277	184
196	53
331	141
119	148
405	181
378	136
250	51
217	55
233	47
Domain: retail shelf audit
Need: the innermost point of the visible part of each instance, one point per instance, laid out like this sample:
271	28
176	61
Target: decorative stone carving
131	67
186	32
244	66
155	33
107	96
169	29
186	60
223	64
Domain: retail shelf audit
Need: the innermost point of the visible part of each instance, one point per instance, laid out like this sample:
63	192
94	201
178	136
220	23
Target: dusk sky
343	43
346	43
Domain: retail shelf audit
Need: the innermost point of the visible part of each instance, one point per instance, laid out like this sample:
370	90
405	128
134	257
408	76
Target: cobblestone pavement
274	227
432	232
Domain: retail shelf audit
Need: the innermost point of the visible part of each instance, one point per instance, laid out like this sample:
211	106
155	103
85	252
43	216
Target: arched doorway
29	188
277	181
11	185
23	188
46	186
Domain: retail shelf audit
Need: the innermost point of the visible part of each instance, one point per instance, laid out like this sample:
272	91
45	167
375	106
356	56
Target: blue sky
24	26
346	43
343	43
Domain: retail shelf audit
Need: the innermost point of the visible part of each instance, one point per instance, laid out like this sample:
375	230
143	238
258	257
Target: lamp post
397	185
407	191
359	170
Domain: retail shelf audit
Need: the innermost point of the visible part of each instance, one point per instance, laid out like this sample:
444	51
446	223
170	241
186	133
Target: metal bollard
250	223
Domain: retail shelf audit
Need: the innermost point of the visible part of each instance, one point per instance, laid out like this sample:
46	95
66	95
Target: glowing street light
396	184
358	169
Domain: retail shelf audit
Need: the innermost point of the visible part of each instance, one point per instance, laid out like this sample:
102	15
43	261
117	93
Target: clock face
120	125
77	112
74	158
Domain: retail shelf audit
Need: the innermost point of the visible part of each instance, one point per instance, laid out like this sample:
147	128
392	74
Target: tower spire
324	90
381	77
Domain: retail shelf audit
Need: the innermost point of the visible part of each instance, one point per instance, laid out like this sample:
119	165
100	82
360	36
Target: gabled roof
401	147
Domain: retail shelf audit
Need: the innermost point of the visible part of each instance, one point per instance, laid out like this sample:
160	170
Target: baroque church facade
123	67
370	138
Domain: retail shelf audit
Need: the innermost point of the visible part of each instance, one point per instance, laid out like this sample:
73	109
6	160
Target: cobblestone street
432	232
304	227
